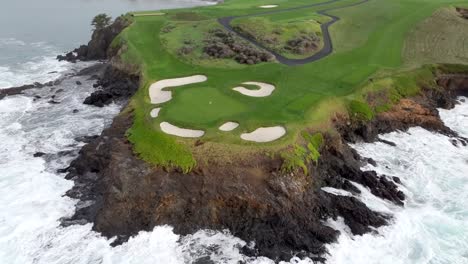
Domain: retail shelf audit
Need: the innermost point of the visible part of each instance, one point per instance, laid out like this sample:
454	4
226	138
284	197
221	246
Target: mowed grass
203	108
368	40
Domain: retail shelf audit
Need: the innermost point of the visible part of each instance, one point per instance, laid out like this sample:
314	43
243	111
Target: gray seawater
432	228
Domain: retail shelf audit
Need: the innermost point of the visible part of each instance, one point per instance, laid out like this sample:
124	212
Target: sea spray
431	228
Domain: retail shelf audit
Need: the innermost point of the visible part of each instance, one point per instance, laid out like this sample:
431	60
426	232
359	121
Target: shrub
299	157
101	21
360	110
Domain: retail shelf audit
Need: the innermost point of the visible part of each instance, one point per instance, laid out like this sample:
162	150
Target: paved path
327	47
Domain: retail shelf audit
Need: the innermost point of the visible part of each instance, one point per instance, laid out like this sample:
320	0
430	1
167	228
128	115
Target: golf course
259	76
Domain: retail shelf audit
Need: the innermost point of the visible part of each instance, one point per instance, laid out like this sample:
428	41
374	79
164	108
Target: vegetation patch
360	110
298	157
295	39
221	44
208	44
188	16
441	38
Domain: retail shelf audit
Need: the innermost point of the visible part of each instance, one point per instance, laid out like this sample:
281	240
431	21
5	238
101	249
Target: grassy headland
378	57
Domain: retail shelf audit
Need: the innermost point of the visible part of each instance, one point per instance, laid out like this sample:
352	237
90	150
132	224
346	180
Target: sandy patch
158	96
228	126
149	14
268	6
265	89
180	132
265	134
155	112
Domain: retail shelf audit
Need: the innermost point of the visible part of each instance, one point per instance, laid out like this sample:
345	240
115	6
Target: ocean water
431	228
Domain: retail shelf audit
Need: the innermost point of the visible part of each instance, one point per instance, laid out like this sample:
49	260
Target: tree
101	21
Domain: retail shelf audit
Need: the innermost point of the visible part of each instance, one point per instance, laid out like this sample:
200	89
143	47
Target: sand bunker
265	134
159	96
155	112
180	132
265	89
268	6
228	126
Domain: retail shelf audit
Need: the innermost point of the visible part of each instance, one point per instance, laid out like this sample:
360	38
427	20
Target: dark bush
223	45
303	44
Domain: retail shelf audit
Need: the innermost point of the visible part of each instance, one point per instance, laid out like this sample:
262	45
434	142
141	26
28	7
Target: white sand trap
159	96
180	132
268	6
264	91
265	134
229	126
155	112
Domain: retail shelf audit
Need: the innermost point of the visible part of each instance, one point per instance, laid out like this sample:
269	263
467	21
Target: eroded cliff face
282	213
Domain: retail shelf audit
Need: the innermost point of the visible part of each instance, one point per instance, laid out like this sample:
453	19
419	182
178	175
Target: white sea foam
432	227
24	63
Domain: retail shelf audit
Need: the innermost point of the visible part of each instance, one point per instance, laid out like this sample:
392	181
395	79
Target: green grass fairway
379	39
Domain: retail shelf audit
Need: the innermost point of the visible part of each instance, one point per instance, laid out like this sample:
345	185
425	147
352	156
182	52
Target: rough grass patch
360	110
188	16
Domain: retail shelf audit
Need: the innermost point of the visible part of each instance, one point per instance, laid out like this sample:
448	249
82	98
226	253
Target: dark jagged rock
15	90
38	154
99	99
86	139
116	85
371	162
64	170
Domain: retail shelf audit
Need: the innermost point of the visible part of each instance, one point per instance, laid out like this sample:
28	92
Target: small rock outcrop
115	85
98	46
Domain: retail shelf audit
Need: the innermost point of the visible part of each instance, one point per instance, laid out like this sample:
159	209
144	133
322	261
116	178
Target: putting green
204	107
